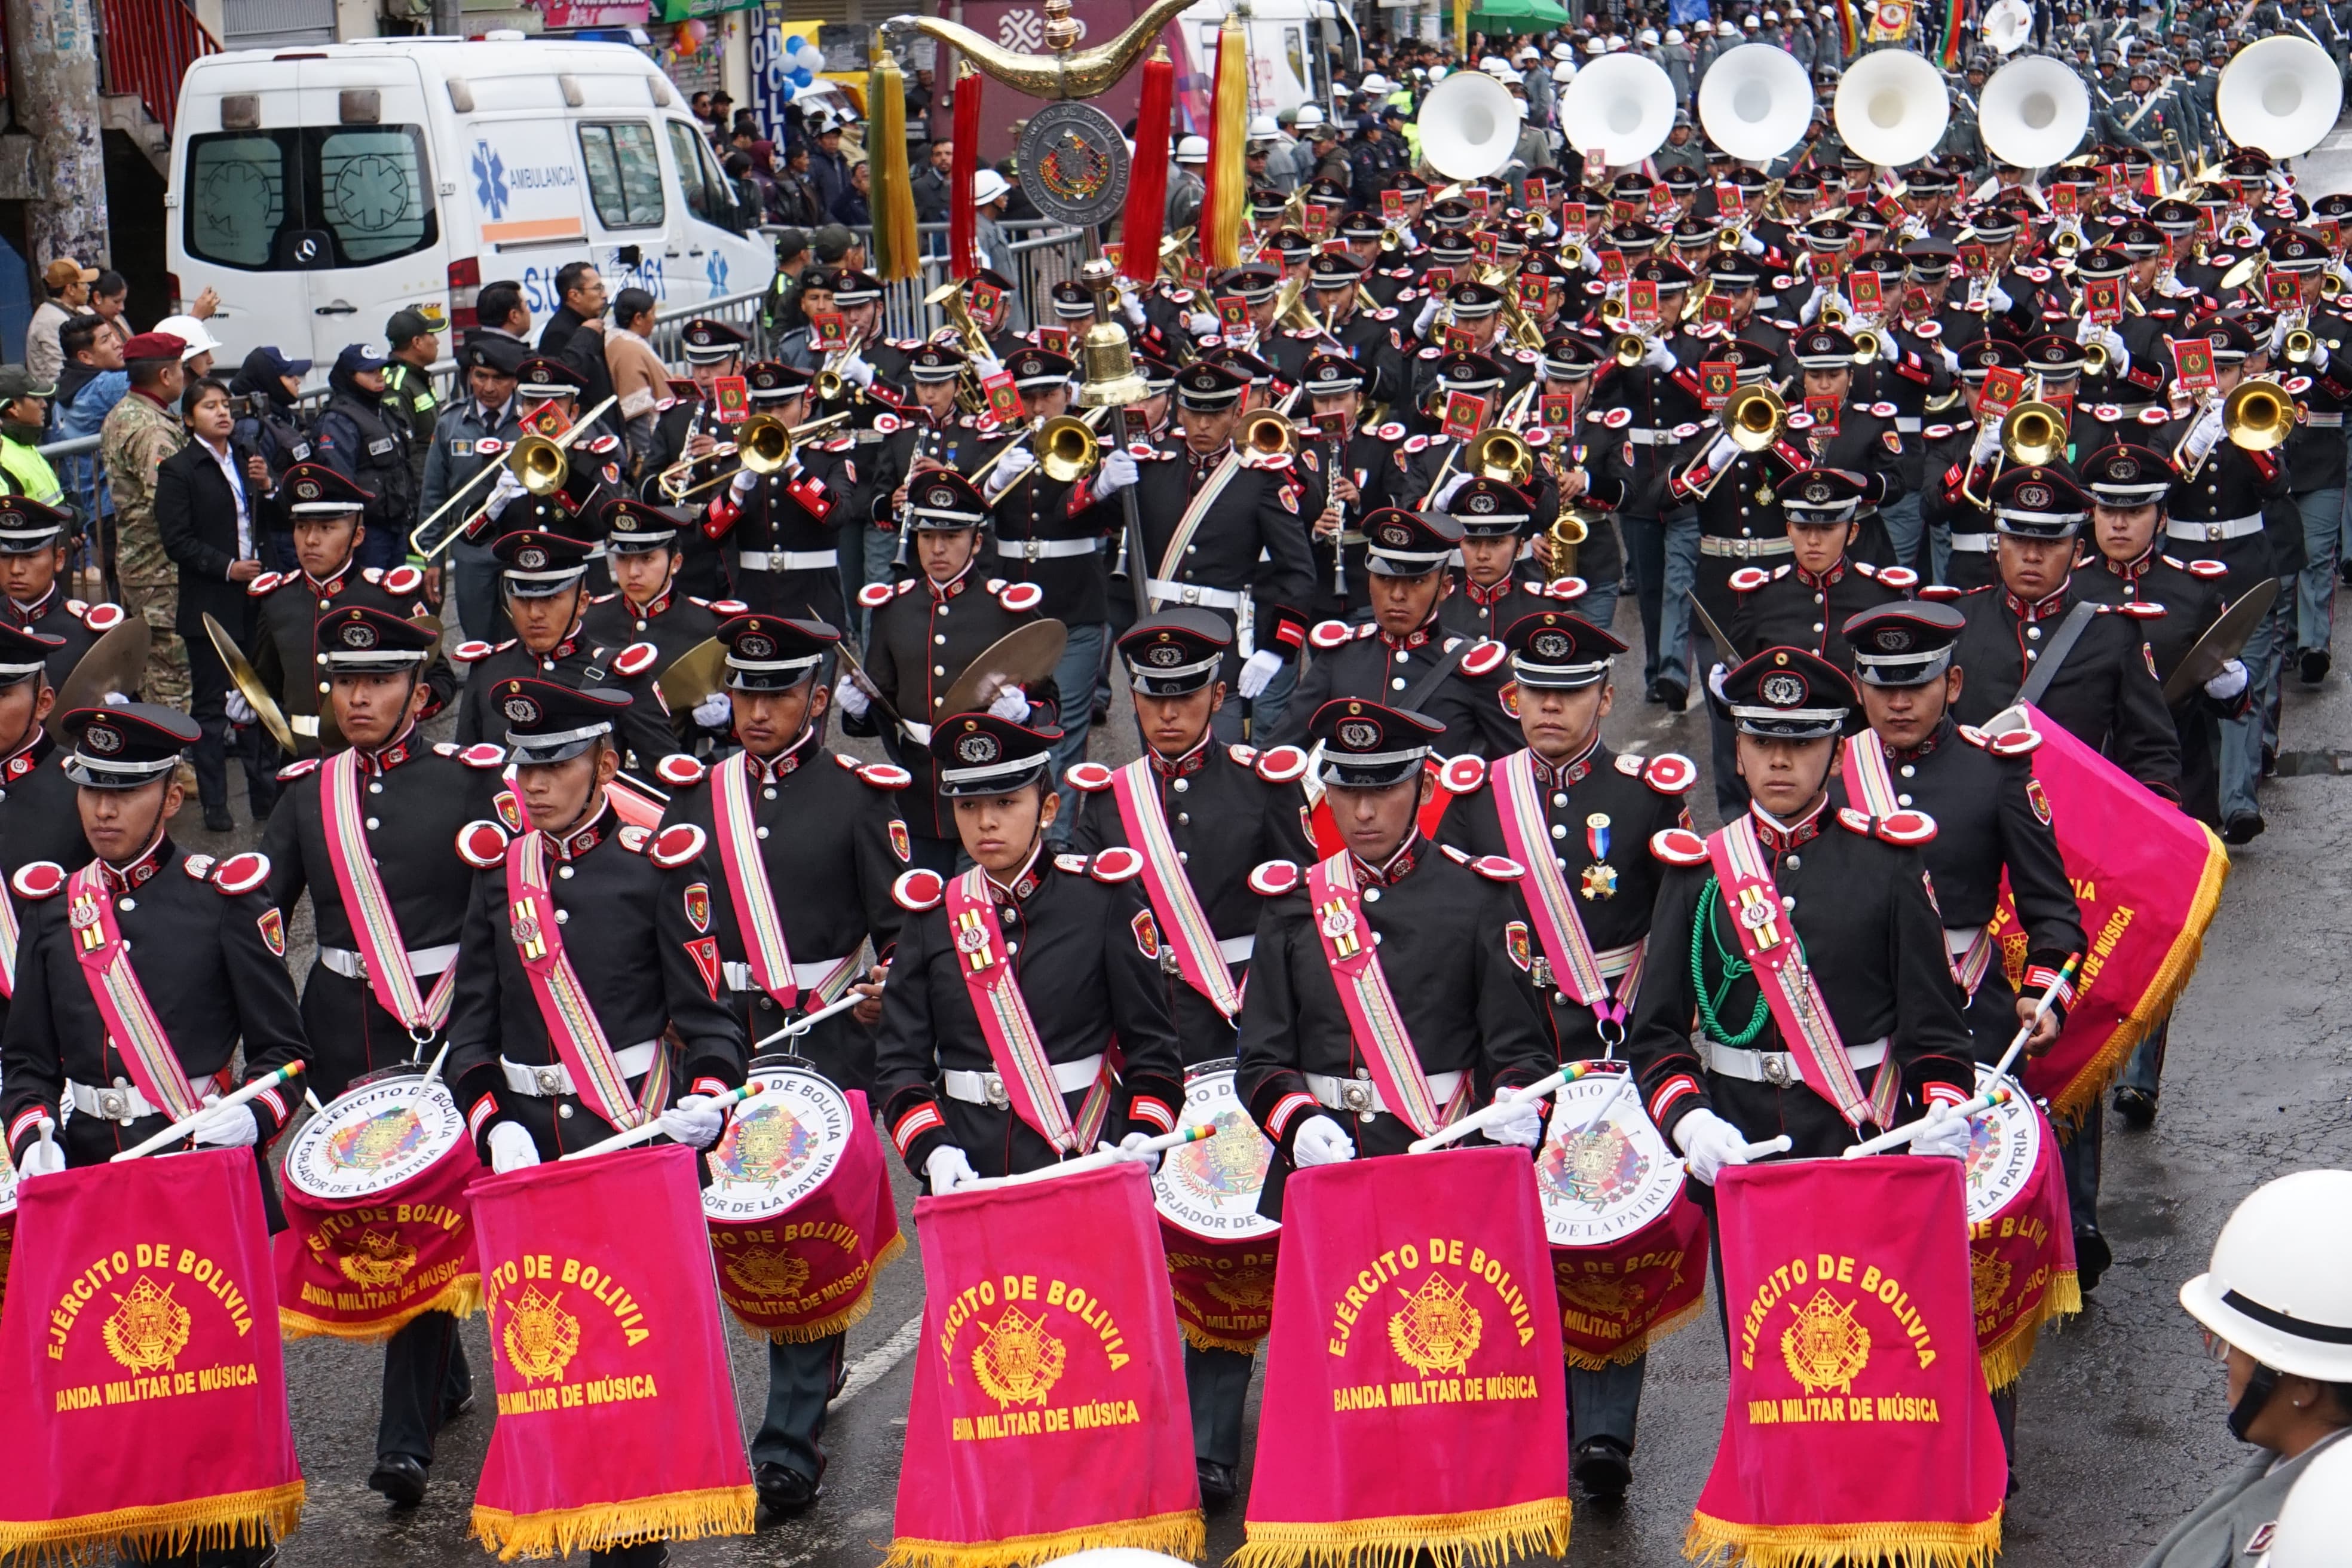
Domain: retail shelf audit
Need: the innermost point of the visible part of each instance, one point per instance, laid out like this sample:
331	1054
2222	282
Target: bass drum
1220	1250
375	1137
1629	1247
2021	1230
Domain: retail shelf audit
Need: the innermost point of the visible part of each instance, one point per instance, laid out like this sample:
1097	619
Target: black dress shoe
1219	1483
2135	1106
1603	1468
2243	828
2313	664
2092	1257
400	1478
217	820
1676	697
784	1490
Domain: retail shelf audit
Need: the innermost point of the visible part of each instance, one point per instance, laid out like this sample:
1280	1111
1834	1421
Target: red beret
154	345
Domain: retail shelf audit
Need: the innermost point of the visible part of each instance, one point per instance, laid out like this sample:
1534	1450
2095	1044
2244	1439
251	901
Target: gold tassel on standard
681	1516
1227	201
461	1298
1179	1534
209	1524
841	1322
890	184
1486	1539
1886	1545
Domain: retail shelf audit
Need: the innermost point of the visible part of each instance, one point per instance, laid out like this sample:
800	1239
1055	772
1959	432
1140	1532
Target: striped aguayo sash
572	1027
373	924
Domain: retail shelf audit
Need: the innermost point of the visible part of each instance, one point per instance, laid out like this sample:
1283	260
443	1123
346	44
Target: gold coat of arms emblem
539	1336
147	1330
1436	1330
764	1272
377	1257
1017	1362
1825	1347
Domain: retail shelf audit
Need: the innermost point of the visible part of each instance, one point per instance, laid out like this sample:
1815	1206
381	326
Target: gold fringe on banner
208	1524
1179	1534
2171	978
461	1298
2005	1359
1932	1544
892	187
1203	1340
1486	1539
561	1532
1635	1346
823	1327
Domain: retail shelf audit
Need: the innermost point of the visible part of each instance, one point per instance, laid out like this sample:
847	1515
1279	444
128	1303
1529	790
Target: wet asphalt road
2121	1420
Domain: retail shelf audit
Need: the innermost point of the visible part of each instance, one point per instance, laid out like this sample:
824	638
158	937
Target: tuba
2281	94
2033	111
1756	101
1891	108
1469	126
1616	111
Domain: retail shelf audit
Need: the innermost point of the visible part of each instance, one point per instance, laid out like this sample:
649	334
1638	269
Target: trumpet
2300	345
1500	454
1056	444
538	463
1834	313
1755	418
2034	434
2331	285
1268	434
2258	416
765	446
1868	345
2094	359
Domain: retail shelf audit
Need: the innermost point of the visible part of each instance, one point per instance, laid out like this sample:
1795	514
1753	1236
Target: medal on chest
1600	879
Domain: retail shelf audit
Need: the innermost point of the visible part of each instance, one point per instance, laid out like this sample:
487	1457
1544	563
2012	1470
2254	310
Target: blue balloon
784	91
801	76
792	45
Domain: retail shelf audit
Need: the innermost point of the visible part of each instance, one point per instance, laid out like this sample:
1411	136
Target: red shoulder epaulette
1463	775
1484	658
679	770
885	775
242	873
39	879
1116	864
1678	846
1019	597
874	595
482	845
636	660
676	844
1091	778
1273	877
919	890
1282	765
296	769
1670	773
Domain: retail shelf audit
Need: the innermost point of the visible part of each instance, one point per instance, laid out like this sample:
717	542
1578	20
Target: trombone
1065	448
1755	417
765	446
538	462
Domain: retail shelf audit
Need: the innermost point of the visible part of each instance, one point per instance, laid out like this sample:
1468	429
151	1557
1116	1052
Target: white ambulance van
320	190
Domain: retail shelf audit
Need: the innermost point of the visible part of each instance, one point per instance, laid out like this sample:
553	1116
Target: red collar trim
787	760
1398	865
584	837
1779	840
1191	761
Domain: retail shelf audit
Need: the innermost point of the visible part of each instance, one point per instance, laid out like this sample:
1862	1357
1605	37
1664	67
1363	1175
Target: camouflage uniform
138	435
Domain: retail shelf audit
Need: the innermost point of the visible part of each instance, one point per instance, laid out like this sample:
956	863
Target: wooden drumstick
178	1130
647	1131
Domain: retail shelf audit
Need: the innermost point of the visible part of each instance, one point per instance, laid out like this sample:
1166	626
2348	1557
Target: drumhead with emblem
1210	1189
1600	1185
780	1146
374	1136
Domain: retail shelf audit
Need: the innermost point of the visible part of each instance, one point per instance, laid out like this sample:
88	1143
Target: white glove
507	489
988	365
1016	461
2087	331
1429	309
1998	298
511	1148
713	711
1321	1142
1011	704
1118	472
1449	489
852	698
2317	364
1812	306
1710	1143
1722	455
745	483
2118	356
696	1119
43	1157
226	1127
2228	683
1946	1135
1202	324
1130	1150
855	368
1258	672
1715	673
1591	259
1751	245
1660	357
237	710
2206	435
1132	305
1523	1128
1987	443
948	1170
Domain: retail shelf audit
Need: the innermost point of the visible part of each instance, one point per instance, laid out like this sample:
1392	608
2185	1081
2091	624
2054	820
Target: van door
522	173
712	256
371	242
628	203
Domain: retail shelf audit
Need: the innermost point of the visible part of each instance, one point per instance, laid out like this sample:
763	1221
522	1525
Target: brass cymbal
112	664
693	674
2220	642
1016	659
249	685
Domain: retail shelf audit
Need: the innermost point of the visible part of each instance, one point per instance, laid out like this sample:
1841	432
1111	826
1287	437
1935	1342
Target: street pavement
2121	1422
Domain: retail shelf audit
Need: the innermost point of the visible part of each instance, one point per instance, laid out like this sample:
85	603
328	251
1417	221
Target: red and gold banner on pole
1858	1428
1414	1384
1049	1413
138	1350
2147	877
616	1410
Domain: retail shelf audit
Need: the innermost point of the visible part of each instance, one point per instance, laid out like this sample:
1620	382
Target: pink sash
572	1027
1013	1041
1769	942
1551	907
1183	924
130	1022
756	915
9	934
1373	1016
374	925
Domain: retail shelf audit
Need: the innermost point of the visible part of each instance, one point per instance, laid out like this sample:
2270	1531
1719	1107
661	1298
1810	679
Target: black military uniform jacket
832	839
1790	607
41	815
1896	387
209	951
1645	412
624	913
684	414
924	635
415	798
1942	504
1374	338
1361	660
2105	693
1251	539
1086	953
1052	534
675	622
1739	513
2230	487
286	635
2194	593
1228	808
2315	450
1443	926
1603	809
788	532
1475	612
641	730
1370	458
592	470
53	615
1862	910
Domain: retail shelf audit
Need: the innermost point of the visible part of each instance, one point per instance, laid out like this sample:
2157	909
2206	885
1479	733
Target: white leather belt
1046	549
1649	437
2324	421
1743	548
548	1082
988	1088
1237	949
122	1102
1194	594
1978	543
1778	1068
303	724
1361	1096
352	965
2215	531
1908	424
807	976
788	559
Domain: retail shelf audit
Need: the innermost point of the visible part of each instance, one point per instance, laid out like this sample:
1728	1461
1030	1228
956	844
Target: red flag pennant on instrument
139	1346
1413	1326
1049	1412
616	1411
963	170
1858	1428
2020	1233
2147	877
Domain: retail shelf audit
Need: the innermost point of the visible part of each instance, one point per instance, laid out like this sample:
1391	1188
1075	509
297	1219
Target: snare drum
1629	1247
378	1227
2020	1231
1220	1250
799	1205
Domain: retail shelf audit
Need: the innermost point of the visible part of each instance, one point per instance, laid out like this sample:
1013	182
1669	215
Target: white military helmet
2280	1287
1264	129
1376	82
1192	150
1309	115
1673	35
2316	1519
1563	72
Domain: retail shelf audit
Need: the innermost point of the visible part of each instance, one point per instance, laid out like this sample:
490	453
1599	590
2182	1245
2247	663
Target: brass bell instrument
1268	434
1063	446
2094	359
536	461
2258	416
2331	285
1503	456
1755	418
765	446
2034	434
2300	345
1868	346
1834	313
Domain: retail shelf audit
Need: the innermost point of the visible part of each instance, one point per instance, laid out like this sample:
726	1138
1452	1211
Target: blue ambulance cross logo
716	271
489	180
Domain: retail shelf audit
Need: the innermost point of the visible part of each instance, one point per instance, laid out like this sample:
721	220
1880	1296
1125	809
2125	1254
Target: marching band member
785	525
33	549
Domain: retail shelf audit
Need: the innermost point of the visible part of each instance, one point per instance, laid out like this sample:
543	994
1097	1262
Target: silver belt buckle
1776	1068
548	1079
1192	595
993	1086
113	1104
1357	1096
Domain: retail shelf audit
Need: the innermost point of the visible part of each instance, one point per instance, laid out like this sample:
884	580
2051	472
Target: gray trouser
2145	1071
1218	1385
801	1376
1605	1404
